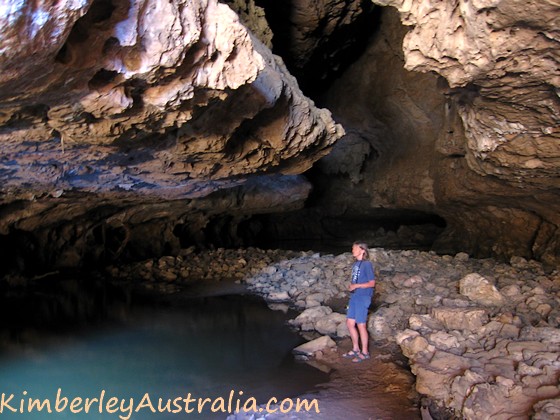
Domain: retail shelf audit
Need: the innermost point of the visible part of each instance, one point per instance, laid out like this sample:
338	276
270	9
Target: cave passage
310	229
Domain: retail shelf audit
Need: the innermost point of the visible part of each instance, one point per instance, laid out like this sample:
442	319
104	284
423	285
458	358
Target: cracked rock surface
146	97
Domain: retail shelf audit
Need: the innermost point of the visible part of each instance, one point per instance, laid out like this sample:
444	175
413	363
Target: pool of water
211	347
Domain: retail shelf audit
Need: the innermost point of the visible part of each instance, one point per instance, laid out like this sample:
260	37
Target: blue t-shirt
362	272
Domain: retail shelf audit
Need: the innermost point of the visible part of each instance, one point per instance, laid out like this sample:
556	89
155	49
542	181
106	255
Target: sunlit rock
147	98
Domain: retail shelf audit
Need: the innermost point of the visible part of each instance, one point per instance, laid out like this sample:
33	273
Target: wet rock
314	346
278	297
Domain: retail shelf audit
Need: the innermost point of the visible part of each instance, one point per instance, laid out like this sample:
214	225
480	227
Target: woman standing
361	288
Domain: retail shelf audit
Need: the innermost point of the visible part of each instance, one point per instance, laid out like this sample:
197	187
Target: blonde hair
363	246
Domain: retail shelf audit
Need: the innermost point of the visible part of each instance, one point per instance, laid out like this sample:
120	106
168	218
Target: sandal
361	357
351	354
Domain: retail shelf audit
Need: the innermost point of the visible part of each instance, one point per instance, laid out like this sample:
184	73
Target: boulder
311	347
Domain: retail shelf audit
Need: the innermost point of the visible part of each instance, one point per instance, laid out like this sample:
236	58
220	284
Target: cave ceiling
122	112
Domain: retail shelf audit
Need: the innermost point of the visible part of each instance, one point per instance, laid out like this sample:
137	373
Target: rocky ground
480	336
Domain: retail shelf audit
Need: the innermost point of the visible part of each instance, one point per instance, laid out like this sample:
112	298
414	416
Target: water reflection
205	346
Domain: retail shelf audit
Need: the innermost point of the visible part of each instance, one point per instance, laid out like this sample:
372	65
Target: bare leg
364	339
351	324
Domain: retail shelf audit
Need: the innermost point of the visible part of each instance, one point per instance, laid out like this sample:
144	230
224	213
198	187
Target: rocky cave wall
423	140
500	60
454	120
130	128
490	165
118	114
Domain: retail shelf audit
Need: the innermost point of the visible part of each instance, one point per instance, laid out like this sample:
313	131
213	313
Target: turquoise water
214	347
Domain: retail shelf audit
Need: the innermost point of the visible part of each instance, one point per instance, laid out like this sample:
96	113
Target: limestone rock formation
148	98
501	60
108	104
460	119
318	39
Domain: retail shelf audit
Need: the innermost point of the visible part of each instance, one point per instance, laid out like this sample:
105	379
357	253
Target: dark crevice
311	229
99	12
26	117
64	56
102	78
331	57
110	45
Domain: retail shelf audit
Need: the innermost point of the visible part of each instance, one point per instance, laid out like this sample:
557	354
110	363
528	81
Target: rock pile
482	337
189	266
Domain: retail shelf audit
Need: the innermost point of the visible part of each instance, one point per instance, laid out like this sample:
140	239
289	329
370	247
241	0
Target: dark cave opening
334	52
32	253
113	239
308	229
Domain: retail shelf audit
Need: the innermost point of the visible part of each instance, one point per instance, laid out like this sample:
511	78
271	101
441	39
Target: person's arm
367	285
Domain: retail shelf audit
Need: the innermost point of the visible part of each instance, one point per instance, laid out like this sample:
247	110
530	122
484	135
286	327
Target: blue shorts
358	308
